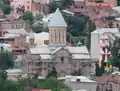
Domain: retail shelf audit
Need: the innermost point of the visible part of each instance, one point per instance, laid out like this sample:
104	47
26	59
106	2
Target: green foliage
100	71
52	73
38	27
55	85
79	29
27	16
53	6
19	85
5	1
62	4
99	0
115	52
5	6
118	2
6	62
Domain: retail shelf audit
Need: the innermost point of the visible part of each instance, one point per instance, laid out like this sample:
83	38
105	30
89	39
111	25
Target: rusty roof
98	4
108	78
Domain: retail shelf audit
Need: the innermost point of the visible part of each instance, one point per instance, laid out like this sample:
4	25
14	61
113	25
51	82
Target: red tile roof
35	89
98	4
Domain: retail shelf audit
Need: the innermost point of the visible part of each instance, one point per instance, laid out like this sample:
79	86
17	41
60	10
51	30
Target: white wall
95	46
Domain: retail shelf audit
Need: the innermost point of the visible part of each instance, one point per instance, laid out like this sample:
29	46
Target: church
67	60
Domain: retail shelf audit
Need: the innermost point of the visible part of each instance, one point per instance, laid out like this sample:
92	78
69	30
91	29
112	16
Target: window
28	7
103	57
2	48
16	26
78	80
63	36
59	37
103	49
62	59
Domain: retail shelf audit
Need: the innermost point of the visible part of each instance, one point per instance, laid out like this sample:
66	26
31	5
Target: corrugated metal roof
40	50
17	31
11	35
57	20
13	71
80	56
45	56
105	30
82	79
76	50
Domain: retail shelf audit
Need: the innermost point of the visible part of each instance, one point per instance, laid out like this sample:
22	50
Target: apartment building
100	38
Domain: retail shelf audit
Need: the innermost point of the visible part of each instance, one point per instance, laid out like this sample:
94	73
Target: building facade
40	60
100	38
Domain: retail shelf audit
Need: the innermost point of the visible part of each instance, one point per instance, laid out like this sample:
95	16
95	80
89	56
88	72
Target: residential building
14	24
112	3
32	5
39	38
100	38
79	2
14	73
108	83
80	83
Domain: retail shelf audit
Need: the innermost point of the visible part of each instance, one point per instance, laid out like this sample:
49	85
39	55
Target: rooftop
98	4
57	20
105	30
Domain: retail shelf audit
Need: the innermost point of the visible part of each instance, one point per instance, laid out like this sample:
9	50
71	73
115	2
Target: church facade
66	59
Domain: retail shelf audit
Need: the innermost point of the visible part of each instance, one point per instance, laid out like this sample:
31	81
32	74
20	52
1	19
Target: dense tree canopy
118	2
115	52
6	62
4	5
62	4
27	16
19	85
79	28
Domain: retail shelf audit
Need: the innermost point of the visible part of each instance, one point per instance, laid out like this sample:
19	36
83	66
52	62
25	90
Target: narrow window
59	37
55	36
62	59
78	80
63	37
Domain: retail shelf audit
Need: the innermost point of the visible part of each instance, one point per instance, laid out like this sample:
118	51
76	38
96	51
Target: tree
62	4
38	17
52	73
118	2
5	6
114	48
27	16
6	62
55	85
38	27
5	1
53	6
